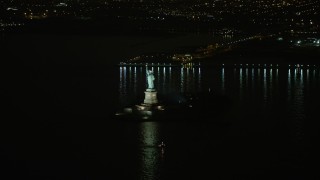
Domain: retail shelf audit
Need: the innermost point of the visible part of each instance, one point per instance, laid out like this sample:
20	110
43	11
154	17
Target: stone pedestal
150	97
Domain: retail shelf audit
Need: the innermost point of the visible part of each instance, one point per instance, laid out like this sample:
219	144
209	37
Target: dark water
60	125
58	119
270	125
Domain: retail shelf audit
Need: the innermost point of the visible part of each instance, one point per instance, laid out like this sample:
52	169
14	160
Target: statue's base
147	109
150	97
142	111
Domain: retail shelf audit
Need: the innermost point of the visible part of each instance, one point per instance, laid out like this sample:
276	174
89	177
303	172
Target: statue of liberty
150	78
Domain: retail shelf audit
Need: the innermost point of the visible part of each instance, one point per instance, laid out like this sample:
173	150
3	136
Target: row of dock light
277	65
158	64
191	65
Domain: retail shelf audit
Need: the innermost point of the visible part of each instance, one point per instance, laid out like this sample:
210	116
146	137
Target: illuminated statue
150	79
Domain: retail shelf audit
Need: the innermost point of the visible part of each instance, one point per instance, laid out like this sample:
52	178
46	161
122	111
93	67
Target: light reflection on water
251	87
132	81
151	154
248	78
180	80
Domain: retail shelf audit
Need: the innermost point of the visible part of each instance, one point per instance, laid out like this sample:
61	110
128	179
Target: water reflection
151	154
265	88
296	98
182	80
264	84
252	78
135	80
122	85
167	80
261	80
199	78
159	81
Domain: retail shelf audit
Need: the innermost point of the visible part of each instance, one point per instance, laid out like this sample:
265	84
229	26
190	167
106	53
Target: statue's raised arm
147	71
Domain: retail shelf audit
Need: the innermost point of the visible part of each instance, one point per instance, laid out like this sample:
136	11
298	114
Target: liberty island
150	105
